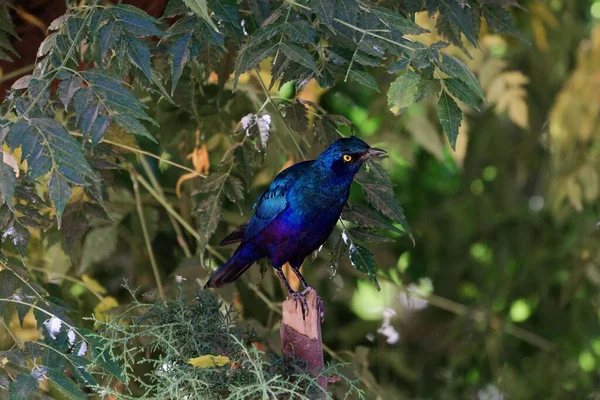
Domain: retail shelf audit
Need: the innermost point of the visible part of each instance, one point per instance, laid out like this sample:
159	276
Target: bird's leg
296	270
307	287
293	294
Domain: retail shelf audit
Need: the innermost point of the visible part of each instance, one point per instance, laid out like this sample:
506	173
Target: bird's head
345	156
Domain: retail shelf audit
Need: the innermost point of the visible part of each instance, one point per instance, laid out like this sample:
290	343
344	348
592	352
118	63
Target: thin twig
145	153
140	211
178	217
17	73
180	238
68	278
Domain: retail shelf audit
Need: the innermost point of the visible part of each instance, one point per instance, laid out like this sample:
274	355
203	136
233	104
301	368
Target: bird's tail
241	260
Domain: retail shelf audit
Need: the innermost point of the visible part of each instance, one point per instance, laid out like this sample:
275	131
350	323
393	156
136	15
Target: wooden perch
301	336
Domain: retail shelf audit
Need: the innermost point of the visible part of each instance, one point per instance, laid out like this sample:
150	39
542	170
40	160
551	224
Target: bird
296	214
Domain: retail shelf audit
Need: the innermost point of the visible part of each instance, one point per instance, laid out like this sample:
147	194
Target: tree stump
301	337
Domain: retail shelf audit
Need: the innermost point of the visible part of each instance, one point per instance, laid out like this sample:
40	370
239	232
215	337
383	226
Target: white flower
387	329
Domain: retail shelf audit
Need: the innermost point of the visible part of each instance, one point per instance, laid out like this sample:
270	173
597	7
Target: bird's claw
302	297
321	309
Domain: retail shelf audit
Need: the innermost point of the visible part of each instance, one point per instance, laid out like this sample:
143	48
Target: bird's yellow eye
347	157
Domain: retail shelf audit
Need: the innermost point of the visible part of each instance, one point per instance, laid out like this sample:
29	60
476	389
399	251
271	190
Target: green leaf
362	259
368	235
65	385
403	91
38	90
182	51
135	20
67	88
395	20
450	117
459	15
74	226
107	363
46	145
8	283
180	55
79	371
462	92
99	244
340	249
455	68
139	54
59	191
324	10
251	56
134	126
451	32
208	216
200	8
19	235
428	87
212	182
383	199
366	60
174	8
6	29
365	79
366	217
499	20
295	116
225	10
114	96
326	131
234	189
299	55
299	32
23	387
109	34
8	180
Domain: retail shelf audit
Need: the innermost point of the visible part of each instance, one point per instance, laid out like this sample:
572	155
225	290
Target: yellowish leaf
518	112
515	78
107	304
490	71
425	133
209	361
9	160
200	161
93	284
495	90
539	35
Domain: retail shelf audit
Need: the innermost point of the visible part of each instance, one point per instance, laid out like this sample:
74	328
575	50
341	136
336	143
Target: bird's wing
273	201
235	236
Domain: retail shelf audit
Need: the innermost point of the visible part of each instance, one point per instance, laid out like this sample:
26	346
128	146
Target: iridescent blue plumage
297	213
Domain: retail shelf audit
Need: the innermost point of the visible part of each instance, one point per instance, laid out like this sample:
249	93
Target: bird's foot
321	309
301	296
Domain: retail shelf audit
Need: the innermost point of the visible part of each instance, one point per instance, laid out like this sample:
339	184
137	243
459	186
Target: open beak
374	152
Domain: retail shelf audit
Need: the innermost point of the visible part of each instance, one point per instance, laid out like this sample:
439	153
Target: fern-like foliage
7	34
163	337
